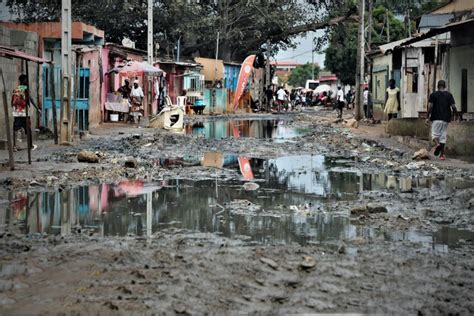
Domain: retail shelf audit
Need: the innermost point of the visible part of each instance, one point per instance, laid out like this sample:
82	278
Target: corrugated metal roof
8	52
440	30
435	20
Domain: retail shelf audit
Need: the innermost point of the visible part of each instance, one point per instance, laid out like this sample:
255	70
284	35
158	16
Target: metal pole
29	140
7	124
178	54
370	26
215	72
76	91
53	100
66	43
388	27
409	23
149	214
267	75
435	71
361	60
150	32
312	58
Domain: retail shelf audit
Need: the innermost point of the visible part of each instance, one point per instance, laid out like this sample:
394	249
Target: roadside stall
150	79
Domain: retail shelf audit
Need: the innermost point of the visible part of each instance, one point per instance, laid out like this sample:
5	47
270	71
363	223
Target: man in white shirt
340	101
137	100
281	97
366	102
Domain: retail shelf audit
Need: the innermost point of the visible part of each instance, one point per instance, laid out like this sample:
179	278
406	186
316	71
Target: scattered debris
251	186
308	263
373	208
351	123
87	156
272	264
421	154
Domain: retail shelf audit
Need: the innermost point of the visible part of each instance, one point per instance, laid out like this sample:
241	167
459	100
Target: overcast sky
302	53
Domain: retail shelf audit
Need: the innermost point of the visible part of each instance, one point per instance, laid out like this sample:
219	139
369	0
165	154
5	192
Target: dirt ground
180	271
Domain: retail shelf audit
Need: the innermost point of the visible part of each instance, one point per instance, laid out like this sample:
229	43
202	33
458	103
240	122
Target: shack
86	41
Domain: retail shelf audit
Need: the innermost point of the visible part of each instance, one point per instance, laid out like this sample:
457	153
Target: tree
301	73
380	33
341	53
417	7
244	26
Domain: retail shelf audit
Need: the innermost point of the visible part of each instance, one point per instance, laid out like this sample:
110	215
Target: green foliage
301	73
341	54
417	7
244	26
380	31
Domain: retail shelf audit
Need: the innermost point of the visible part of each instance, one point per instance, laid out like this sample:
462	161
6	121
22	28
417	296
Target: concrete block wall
12	68
460	140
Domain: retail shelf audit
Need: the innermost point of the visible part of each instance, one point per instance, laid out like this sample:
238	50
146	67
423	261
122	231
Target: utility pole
409	23
361	61
370	24
150	32
66	43
368	113
312	58
215	73
388	26
268	80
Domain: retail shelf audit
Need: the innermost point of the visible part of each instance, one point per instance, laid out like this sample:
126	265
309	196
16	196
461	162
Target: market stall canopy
136	68
8	52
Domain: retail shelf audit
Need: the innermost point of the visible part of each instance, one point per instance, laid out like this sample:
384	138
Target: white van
311	84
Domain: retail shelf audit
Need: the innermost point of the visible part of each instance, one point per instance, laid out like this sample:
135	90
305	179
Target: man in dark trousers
20	100
440	111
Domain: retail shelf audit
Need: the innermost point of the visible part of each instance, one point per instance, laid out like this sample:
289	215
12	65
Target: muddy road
288	213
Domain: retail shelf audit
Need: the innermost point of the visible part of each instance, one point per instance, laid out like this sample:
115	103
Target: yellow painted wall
209	68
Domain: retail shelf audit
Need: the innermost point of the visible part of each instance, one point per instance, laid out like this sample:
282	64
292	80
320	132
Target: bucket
114	117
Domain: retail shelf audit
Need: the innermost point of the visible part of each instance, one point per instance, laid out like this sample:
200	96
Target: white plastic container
114	117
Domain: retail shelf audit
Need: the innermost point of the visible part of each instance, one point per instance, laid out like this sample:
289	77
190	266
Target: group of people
282	99
134	96
441	106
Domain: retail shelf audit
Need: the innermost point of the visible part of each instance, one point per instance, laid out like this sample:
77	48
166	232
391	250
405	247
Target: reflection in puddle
315	174
286	206
283	216
219	129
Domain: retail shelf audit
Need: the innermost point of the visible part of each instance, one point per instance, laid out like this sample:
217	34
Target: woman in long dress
392	100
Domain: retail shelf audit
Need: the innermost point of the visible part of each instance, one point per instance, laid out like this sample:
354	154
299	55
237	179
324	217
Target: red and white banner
244	75
245	168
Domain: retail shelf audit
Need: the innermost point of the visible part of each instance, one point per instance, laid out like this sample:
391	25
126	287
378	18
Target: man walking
20	100
281	98
340	101
440	105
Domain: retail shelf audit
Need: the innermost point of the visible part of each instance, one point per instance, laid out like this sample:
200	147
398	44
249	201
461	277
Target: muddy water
132	208
219	129
287	207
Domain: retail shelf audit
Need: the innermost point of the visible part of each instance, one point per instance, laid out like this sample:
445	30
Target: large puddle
219	129
288	205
